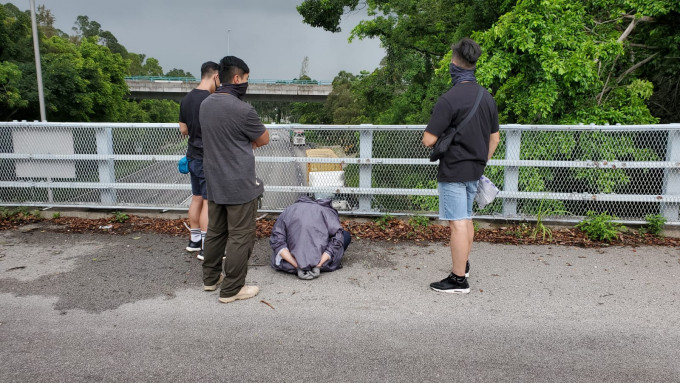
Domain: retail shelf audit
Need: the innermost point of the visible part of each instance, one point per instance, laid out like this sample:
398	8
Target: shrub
419	222
655	224
383	221
600	226
545	210
119	217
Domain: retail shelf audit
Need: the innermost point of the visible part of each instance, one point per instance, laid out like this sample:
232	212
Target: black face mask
459	74
237	90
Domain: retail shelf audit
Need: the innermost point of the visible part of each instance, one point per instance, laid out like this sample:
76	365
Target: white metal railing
126	165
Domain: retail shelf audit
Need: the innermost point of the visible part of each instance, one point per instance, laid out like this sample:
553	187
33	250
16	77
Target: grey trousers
230	228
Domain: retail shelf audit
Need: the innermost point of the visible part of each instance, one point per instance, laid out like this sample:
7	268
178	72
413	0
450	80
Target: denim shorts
455	200
198	186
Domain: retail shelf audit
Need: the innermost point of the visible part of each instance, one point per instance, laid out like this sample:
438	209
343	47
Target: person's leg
203	216
195	211
241	221
195	243
347	238
215	243
460	245
471	192
204	226
453	207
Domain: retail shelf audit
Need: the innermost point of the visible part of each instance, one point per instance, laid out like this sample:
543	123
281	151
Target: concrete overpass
258	90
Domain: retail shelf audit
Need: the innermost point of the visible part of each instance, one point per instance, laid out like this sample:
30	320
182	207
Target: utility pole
228	32
38	68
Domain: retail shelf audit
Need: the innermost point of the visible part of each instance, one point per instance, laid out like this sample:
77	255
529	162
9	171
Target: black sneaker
199	256
194	246
451	285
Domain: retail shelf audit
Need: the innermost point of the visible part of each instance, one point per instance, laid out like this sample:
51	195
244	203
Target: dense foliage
545	62
599	61
83	74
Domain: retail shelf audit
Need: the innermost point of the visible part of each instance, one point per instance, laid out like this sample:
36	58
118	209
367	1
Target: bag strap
453	131
480	93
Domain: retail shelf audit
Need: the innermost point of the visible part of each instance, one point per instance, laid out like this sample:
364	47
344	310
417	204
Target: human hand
324	258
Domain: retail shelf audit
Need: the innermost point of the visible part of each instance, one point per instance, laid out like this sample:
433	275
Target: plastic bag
486	192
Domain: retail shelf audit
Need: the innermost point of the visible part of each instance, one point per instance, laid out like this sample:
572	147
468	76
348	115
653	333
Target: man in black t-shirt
189	125
463	164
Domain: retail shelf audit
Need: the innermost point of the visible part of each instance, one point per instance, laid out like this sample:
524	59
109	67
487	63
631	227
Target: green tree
415	35
85	28
309	113
16	43
341	104
160	110
10	96
174	72
45	20
152	67
135	61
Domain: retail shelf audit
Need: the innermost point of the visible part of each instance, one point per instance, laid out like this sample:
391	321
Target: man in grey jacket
307	238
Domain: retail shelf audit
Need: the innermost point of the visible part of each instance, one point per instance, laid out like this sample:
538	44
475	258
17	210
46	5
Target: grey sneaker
315	272
302	274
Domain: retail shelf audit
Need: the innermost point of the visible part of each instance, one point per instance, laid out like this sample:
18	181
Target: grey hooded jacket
308	228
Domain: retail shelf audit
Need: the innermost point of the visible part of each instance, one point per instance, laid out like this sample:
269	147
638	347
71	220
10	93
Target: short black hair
209	68
231	66
467	51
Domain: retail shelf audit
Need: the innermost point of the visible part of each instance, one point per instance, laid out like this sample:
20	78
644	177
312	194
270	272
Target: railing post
365	170
107	173
513	139
671	177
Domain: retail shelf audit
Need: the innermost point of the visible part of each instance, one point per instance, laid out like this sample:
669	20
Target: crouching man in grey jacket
307	238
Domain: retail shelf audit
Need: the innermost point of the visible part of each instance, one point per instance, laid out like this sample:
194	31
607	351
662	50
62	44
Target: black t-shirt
188	114
466	158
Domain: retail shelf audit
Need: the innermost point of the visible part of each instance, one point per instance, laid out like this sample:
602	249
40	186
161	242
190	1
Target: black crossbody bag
444	141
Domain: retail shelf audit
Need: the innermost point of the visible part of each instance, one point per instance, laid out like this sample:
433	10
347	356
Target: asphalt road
112	308
279	173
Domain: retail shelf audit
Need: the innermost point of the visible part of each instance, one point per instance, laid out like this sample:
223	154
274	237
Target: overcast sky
268	35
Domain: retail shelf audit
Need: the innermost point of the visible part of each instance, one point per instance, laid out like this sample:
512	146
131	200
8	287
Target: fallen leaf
268	304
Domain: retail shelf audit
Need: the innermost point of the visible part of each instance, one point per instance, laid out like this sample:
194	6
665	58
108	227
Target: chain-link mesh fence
552	171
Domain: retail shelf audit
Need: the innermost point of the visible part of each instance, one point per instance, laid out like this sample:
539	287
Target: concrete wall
175	90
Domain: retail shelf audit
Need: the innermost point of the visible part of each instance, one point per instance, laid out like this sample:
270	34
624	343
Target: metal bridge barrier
250	80
561	172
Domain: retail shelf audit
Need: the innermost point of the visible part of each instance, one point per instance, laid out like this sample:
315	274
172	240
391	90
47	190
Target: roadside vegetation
416	229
